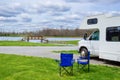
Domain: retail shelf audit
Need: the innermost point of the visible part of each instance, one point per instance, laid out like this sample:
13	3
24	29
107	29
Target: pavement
42	51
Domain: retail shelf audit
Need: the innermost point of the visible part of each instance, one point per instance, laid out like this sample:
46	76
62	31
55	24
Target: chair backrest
66	59
86	57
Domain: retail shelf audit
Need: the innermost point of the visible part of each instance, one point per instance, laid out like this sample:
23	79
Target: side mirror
85	36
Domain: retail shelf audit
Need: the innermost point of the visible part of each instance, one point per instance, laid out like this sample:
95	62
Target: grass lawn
67	51
75	42
13	67
20	43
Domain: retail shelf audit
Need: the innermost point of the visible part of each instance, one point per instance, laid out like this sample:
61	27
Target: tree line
50	33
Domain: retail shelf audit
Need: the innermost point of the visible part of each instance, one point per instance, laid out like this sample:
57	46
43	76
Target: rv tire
83	52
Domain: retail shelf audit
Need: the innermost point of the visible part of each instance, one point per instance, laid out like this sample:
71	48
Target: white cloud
53	13
15	5
95	1
113	13
24	17
11	10
8	19
2	18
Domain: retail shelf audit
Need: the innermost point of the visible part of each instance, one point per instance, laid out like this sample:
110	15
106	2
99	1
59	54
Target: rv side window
95	36
92	21
113	34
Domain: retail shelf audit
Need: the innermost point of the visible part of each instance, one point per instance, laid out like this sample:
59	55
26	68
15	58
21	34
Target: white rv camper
105	41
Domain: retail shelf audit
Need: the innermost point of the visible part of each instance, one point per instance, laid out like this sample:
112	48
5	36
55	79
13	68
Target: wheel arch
82	48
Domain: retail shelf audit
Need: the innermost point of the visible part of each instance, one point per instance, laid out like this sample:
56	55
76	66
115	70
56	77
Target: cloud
56	13
59	8
45	21
95	1
49	7
8	12
25	17
53	13
56	6
11	10
19	18
68	17
67	20
8	19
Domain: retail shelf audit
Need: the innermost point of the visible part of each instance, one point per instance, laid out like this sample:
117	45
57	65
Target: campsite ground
47	51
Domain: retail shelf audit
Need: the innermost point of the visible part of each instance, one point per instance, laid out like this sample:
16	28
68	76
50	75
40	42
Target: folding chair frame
63	64
84	64
70	72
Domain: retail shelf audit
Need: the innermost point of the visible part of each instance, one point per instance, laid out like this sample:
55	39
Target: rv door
94	43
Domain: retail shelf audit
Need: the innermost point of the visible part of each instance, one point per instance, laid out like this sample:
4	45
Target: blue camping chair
84	61
66	63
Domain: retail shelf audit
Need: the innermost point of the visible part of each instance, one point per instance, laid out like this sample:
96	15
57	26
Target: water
63	39
10	38
49	39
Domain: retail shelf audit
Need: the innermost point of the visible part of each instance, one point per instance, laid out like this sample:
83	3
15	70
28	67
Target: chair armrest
82	57
82	60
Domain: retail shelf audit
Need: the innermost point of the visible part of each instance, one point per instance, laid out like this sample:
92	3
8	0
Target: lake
48	38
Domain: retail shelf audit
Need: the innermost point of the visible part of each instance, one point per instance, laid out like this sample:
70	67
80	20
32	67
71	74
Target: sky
34	15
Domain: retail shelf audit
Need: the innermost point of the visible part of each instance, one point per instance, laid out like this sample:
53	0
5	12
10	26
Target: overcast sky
26	15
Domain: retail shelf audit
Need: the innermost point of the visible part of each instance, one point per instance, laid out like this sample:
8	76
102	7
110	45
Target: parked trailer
105	40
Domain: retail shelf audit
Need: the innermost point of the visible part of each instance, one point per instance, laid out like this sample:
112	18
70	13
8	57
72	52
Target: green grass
75	42
20	43
67	51
13	67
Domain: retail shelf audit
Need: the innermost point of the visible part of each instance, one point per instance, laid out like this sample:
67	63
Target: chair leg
88	67
78	67
60	71
83	67
70	72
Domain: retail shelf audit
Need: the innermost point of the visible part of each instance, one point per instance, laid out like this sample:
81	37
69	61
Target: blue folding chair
66	63
84	61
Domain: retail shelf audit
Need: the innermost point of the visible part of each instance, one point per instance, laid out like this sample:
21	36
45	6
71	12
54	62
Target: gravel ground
36	51
47	52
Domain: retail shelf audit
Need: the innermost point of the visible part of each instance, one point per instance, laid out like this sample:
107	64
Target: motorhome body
105	41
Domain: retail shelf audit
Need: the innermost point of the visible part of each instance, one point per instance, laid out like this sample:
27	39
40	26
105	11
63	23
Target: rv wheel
83	52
